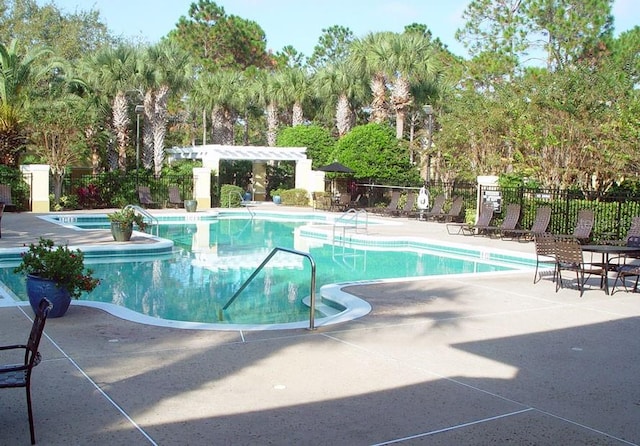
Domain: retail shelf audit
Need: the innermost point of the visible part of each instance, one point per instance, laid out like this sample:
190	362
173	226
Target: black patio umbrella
335	167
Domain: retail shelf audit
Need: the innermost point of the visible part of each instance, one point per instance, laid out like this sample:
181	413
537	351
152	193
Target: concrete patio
469	360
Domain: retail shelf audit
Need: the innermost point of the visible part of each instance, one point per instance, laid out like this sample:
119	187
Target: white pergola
211	154
215	152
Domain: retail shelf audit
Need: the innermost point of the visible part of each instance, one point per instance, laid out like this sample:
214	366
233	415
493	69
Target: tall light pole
139	111
428	111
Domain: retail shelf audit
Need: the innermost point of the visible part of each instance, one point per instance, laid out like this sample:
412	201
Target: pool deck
467	360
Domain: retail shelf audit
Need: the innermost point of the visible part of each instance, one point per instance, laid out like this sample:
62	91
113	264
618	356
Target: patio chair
484	219
436	210
545	253
624	269
569	257
343	202
584	225
19	375
455	212
144	195
174	197
511	219
540	224
5	196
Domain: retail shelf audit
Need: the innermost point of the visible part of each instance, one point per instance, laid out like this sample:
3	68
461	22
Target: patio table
607	251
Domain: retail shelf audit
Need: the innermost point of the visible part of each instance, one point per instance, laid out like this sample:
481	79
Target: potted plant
122	222
56	272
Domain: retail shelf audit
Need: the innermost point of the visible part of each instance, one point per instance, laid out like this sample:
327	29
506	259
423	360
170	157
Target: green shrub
372	151
316	139
230	196
292	197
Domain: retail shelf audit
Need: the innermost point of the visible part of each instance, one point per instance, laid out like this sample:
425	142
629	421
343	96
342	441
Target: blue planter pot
37	288
277	199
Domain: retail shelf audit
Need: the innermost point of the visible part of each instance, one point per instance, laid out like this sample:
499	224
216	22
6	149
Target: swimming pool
212	257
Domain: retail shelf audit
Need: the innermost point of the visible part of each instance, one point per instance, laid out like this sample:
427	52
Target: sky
300	22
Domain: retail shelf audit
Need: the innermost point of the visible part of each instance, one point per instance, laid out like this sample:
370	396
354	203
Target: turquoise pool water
212	258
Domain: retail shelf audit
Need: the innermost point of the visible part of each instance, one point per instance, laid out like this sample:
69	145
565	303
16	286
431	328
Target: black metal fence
613	214
110	190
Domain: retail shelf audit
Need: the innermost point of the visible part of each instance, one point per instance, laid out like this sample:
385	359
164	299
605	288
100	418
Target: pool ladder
153	221
356	219
351	219
312	297
242	202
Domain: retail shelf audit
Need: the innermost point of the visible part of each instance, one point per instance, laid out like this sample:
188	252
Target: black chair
2	205
623	269
19	375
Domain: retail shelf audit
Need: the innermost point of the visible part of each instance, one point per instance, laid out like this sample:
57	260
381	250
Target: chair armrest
12	347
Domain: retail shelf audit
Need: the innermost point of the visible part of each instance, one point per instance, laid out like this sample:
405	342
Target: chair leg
30	411
581	280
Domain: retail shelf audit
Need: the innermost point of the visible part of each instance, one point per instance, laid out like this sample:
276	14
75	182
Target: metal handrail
242	202
145	214
352	214
312	297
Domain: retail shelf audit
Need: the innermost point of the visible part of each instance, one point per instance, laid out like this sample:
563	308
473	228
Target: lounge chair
436	210
484	219
540	224
454	214
392	206
511	219
584	225
174	197
407	209
144	195
569	257
634	231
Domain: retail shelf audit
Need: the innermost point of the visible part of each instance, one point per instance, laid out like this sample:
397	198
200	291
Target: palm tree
341	84
112	70
16	73
166	68
369	56
216	92
409	59
270	95
296	89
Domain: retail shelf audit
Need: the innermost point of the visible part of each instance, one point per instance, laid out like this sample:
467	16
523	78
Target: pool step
325	309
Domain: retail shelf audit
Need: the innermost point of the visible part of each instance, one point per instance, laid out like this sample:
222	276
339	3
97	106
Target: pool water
212	259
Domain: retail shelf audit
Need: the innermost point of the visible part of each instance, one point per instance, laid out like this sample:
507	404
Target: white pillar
311	181
202	187
37	176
